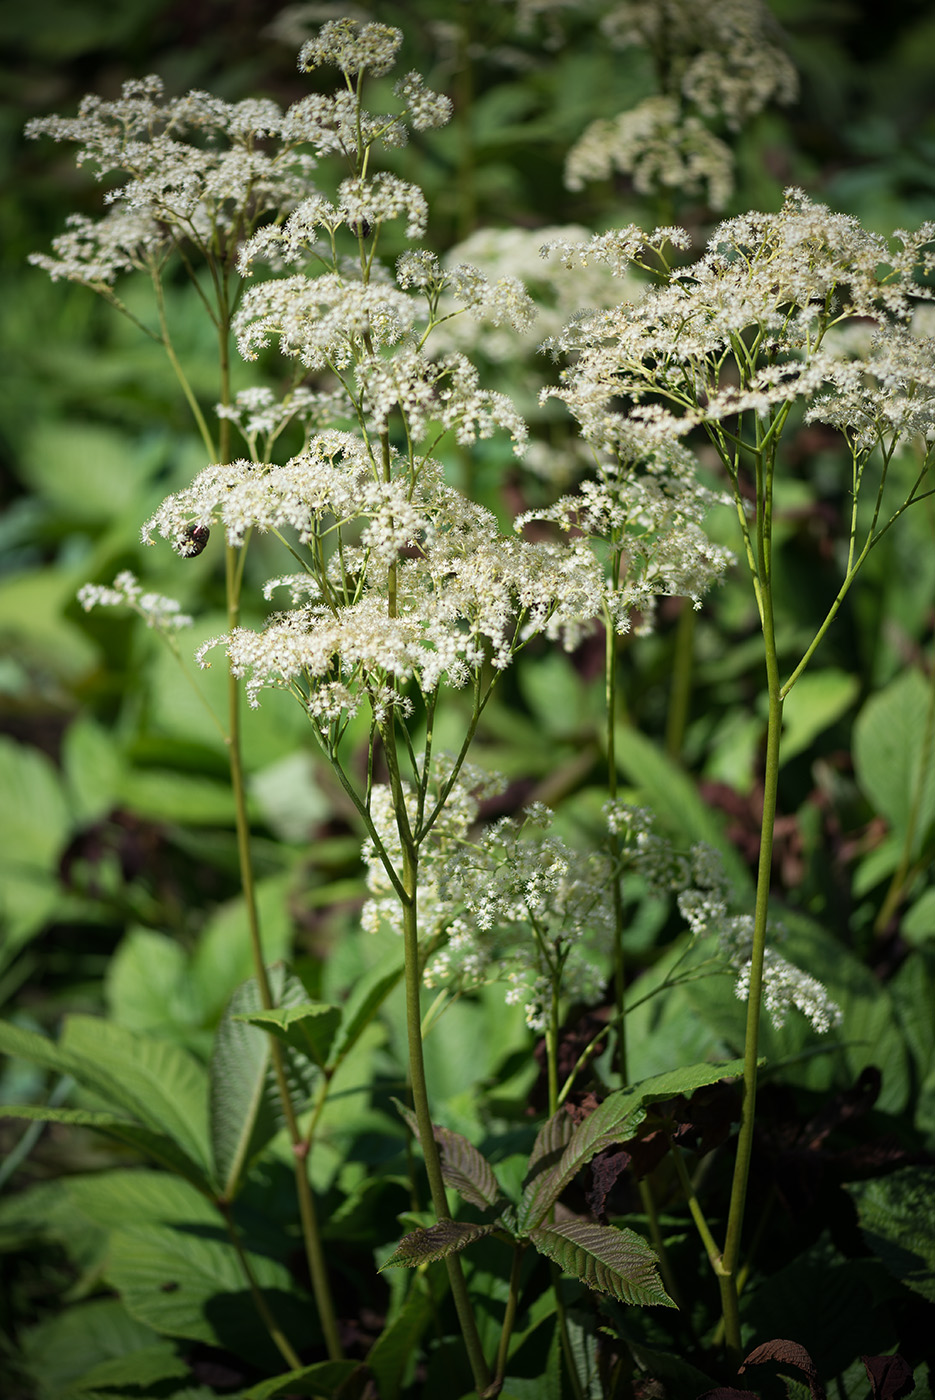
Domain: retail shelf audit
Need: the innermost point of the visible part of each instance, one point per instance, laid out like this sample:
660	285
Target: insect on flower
196	537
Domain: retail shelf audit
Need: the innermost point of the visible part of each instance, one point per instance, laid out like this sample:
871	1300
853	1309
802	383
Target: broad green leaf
816	700
617	1262
223	957
426	1246
392	1351
150	1143
897	1220
34	628
162	1084
918	924
92	762
87	471
324	1378
246	1112
34	817
166	796
139	1197
61	1351
185	1284
362	1005
464	1169
308	1028
139	1369
675	799
614	1120
889	745
149	988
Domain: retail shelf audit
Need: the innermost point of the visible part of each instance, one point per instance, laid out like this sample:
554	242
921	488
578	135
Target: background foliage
117	860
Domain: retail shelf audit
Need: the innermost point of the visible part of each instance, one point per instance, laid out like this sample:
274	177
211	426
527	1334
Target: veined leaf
154	1145
324	1378
159	1082
244	1097
308	1028
464	1169
617	1262
186	1284
614	1120
425	1246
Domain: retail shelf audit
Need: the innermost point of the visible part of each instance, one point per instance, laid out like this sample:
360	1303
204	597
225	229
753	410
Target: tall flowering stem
773	317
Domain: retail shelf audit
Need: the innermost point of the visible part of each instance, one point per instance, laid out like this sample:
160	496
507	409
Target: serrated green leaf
392	1351
617	1262
308	1028
324	1378
246	1112
425	1246
464	1169
897	1220
158	1082
614	1120
154	1145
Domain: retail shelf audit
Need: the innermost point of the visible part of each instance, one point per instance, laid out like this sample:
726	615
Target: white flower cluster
660	147
462	592
726	58
515	904
704	899
714	64
259	414
163	614
195	167
352	47
654	523
647	374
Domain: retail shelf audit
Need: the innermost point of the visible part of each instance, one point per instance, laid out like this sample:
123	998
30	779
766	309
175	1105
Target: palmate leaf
617	1262
245	1109
464	1169
425	1246
614	1120
308	1029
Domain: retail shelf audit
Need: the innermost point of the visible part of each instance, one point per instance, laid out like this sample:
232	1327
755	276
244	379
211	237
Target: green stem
281	1341
728	1271
680	693
420	1101
610	707
509	1318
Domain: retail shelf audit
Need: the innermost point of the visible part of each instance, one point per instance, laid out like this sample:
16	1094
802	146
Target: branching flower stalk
771	317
